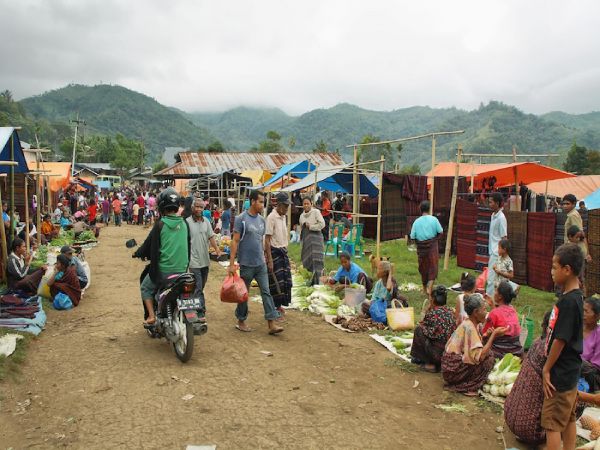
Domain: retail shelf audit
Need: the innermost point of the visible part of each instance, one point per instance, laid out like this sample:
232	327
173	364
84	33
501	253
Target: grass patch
10	366
406	270
401	364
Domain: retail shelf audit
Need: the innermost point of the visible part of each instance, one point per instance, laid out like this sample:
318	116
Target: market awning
580	187
60	174
298	169
258	176
334	179
6	133
506	174
592	201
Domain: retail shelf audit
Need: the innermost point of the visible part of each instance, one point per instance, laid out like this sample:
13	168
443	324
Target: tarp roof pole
355	186
12	189
452	209
27	214
4	243
517	193
432	178
379	202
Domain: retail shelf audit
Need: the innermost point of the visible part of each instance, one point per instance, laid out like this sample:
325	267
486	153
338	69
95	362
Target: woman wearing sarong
504	315
433	332
590	369
523	406
466	362
426	230
65	280
18	276
313	246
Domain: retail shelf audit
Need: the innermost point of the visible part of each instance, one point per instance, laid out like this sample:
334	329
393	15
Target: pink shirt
591	347
503	316
151	203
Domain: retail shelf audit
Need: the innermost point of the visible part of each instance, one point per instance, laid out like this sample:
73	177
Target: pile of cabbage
503	375
318	299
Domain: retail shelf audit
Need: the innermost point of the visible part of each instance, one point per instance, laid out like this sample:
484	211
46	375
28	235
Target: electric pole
77	122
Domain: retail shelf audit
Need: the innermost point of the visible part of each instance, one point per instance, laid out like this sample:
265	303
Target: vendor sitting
350	273
590	369
386	288
19	278
49	230
433	332
65	280
65	222
504	315
75	261
466	362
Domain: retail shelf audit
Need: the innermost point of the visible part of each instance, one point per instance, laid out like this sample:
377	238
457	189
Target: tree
320	147
215	147
273	135
593	163
159	166
291	142
7	95
374	152
577	159
271	144
413	169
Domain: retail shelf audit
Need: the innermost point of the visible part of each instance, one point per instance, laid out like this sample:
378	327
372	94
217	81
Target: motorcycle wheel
184	347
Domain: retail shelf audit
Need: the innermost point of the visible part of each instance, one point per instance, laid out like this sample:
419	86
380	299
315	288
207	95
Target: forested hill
494	127
109	110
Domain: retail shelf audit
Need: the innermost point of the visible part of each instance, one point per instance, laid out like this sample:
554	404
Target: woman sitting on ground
590	370
466	362
65	222
504	315
65	280
350	273
385	289
18	276
433	332
523	406
49	230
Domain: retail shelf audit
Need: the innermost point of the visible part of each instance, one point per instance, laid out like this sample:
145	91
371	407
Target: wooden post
49	194
3	244
433	175
379	202
472	177
355	188
452	209
26	214
517	195
11	213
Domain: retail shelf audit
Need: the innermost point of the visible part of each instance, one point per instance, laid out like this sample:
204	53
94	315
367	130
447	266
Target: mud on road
97	381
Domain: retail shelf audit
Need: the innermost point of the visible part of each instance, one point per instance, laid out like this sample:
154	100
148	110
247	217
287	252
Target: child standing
564	345
136	211
504	266
467	284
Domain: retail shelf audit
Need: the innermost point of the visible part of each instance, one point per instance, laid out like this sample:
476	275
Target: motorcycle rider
167	247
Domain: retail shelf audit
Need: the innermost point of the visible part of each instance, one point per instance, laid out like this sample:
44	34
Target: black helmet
168	201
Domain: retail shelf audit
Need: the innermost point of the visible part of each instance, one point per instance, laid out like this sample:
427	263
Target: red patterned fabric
540	248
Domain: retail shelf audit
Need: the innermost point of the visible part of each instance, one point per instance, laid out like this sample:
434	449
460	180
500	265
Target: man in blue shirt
498	231
247	244
426	230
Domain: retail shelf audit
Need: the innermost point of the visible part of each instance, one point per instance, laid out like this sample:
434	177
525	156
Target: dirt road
95	380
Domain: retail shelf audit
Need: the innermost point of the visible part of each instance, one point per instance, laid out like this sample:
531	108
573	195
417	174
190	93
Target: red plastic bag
481	280
233	290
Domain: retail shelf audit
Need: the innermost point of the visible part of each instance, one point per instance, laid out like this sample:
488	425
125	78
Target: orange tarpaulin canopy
60	174
506	173
580	187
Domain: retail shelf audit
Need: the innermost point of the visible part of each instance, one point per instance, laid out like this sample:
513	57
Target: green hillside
110	110
491	128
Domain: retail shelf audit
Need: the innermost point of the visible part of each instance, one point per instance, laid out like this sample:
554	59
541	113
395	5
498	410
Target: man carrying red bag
247	245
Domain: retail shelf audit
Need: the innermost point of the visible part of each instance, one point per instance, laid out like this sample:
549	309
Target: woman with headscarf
466	362
313	246
65	280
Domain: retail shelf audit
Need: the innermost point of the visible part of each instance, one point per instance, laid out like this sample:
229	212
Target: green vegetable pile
503	375
66	237
86	235
401	343
41	257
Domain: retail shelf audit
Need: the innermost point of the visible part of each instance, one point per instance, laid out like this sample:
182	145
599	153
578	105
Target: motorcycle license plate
188	303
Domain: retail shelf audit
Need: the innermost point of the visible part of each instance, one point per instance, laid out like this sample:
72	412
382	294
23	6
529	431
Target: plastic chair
336	232
354	244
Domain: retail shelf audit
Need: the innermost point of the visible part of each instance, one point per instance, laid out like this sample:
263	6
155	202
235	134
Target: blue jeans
117	219
201	276
261	276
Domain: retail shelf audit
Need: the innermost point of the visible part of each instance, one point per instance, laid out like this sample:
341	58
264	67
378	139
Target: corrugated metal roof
194	164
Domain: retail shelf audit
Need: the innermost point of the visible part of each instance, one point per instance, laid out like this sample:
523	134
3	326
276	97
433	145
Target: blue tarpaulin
5	141
298	169
592	201
335	179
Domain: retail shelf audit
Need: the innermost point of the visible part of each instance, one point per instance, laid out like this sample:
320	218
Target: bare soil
97	381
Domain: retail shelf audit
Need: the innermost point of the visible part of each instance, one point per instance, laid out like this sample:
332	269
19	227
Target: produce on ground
589	423
358	323
401	343
86	235
41	257
66	237
503	375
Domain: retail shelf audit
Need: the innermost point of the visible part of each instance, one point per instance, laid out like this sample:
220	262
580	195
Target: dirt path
96	380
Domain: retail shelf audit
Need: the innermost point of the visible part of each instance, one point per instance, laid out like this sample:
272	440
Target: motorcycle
177	314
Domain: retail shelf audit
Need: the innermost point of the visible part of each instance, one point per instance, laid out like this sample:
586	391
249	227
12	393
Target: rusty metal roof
194	164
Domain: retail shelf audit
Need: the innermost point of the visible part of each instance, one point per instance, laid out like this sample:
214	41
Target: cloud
206	55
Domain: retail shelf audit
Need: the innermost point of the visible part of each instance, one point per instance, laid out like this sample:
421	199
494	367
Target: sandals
245	329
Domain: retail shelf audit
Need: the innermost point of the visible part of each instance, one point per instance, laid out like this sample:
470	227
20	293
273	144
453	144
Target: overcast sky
300	55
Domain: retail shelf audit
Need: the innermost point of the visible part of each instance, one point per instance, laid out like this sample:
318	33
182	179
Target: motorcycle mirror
130	243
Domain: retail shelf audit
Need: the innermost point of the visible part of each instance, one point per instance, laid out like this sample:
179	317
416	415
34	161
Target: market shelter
506	174
580	186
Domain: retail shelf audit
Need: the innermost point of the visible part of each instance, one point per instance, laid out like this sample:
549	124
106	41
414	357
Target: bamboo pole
379	202
472	177
4	243
12	188
355	186
49	193
452	209
433	174
26	214
517	194
412	138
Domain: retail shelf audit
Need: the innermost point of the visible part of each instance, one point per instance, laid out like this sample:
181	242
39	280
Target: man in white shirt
276	251
498	231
